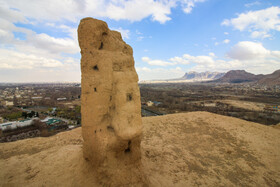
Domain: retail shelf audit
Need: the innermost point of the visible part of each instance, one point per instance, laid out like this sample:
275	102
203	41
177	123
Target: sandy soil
187	149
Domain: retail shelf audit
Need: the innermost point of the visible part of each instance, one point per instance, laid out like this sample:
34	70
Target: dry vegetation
236	100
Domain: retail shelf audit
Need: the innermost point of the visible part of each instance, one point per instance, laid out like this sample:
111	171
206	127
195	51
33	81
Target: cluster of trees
12	116
19	114
70	113
30	114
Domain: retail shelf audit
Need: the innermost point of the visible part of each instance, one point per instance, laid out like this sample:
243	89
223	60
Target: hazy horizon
78	82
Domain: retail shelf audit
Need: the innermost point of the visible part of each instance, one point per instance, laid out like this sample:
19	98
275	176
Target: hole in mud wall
101	46
95	68
111	98
110	128
104	34
129	97
95	90
127	150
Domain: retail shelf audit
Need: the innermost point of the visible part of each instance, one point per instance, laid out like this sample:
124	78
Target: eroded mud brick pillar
110	101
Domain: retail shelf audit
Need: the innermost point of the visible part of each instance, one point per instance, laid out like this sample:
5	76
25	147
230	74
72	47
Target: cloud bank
252	56
259	23
23	45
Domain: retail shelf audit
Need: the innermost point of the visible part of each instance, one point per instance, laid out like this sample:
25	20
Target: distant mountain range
191	76
203	76
233	76
241	76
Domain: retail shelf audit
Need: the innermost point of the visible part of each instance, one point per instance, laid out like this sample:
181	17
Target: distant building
18	96
51	121
150	103
27	122
8	126
156	103
38	98
9	103
61	99
16	124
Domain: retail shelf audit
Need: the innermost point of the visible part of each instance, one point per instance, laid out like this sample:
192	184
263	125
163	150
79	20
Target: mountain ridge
242	76
232	76
201	76
238	76
271	79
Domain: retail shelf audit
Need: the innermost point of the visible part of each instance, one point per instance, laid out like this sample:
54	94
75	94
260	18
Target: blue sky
38	39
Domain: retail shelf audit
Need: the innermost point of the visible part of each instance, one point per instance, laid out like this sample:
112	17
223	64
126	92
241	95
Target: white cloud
226	41
248	50
124	32
226	33
73	10
199	59
35	52
171	62
259	23
212	54
138	32
250	56
260	34
11	15
54	45
247	55
21	67
179	60
17	60
252	4
156	62
140	38
188	5
146	73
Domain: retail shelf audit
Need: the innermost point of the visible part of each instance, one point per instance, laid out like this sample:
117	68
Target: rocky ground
187	149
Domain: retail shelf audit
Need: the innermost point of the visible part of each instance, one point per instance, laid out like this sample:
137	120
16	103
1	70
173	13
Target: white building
150	103
61	99
15	124
9	103
8	126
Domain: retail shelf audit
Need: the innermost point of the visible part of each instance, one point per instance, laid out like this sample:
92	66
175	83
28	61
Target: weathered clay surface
111	108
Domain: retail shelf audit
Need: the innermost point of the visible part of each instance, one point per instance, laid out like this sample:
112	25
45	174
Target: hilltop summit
187	149
238	76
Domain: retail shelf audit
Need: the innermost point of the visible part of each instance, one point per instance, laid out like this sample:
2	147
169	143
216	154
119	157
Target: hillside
271	79
238	76
187	149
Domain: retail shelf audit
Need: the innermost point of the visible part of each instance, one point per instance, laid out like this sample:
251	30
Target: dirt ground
187	149
245	104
